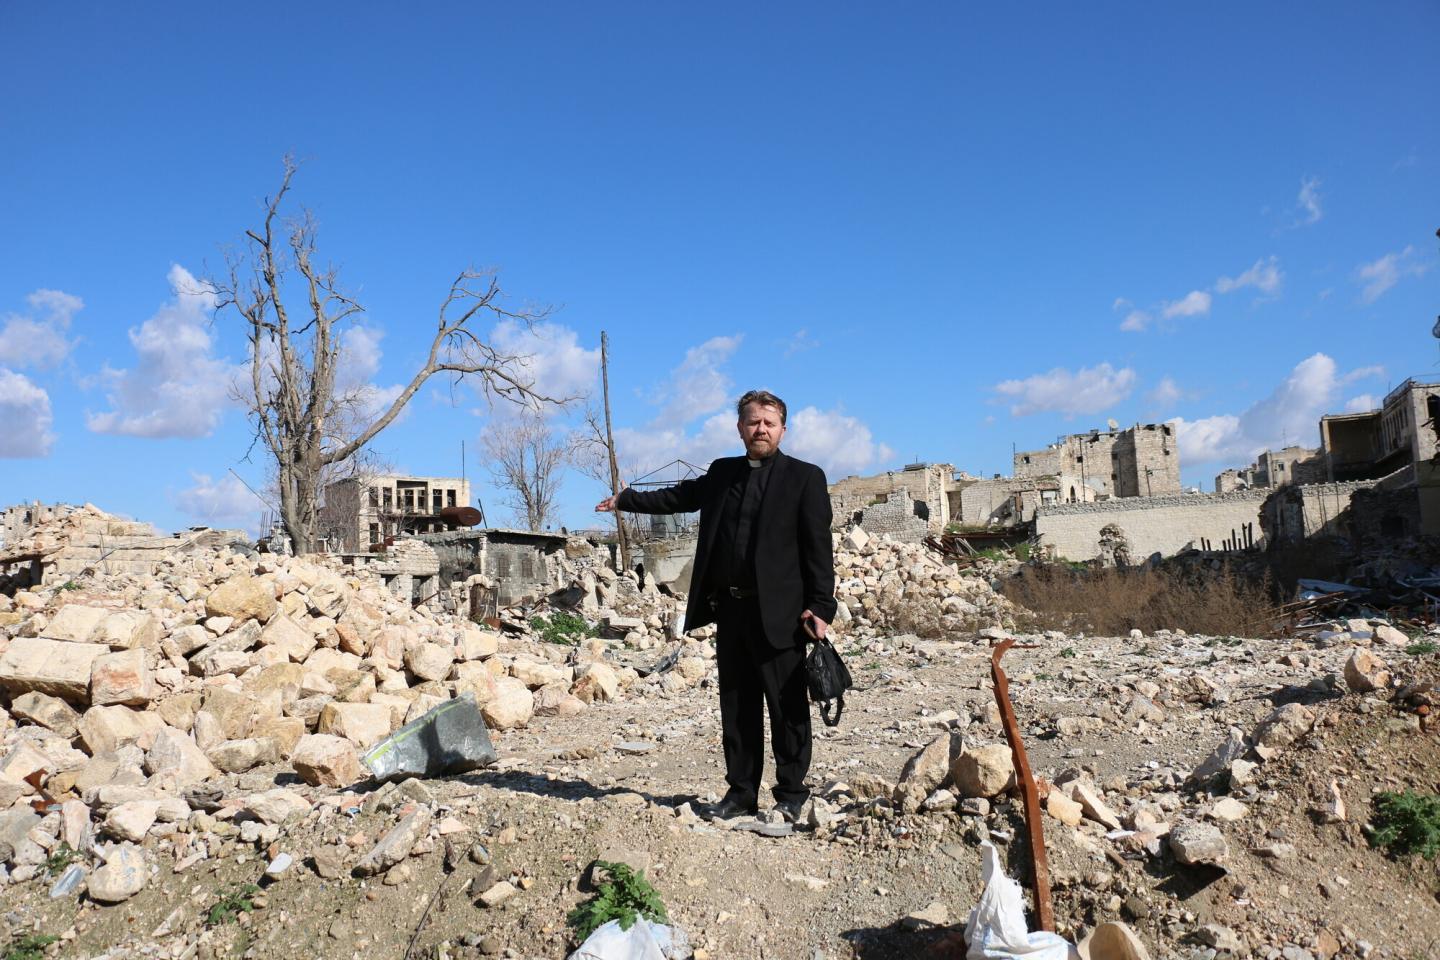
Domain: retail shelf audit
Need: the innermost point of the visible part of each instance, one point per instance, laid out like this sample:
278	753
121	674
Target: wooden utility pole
610	448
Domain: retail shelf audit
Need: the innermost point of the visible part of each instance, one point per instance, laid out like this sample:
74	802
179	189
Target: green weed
29	947
625	896
1069	653
60	857
1407	823
563	628
238	898
1423	648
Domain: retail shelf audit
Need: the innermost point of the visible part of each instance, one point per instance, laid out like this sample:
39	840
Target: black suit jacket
794	562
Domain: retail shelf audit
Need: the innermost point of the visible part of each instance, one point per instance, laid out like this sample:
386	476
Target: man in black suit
764	573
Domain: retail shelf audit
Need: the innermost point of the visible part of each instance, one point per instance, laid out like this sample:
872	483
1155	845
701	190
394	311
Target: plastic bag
643	941
996	928
451	738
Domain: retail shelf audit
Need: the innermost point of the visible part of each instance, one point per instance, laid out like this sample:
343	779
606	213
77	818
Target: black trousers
755	678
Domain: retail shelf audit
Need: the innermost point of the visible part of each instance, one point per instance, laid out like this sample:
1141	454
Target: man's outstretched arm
685	497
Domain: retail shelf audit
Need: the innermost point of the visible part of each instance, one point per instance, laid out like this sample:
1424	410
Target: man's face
761	430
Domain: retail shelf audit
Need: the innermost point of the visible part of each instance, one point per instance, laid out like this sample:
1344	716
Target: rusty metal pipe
1044	909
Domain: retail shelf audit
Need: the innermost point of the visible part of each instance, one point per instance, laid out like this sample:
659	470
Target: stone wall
898	518
670	562
1165	525
928	485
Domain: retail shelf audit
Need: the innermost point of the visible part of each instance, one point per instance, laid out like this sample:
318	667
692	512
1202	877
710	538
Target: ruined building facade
1275	468
1139	461
361	511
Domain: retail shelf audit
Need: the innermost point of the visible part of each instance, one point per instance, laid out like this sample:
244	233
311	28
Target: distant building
1139	461
1275	468
361	511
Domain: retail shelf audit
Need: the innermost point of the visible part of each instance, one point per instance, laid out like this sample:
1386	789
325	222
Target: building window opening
449	498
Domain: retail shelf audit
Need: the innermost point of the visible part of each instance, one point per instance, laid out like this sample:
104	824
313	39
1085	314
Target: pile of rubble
887	587
136	703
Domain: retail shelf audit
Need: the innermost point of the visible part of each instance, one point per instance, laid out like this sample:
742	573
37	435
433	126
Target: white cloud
1308	201
698	386
38	338
1362	404
177	387
356	367
1378	276
554	360
799	343
1087	390
1265	276
219	503
1194	304
1136	321
25	412
643	450
1289	415
1165	394
839	443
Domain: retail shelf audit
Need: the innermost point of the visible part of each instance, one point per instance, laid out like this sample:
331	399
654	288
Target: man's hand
608	504
814	626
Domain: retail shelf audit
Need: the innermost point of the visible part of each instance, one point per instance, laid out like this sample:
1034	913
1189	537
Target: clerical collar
757	464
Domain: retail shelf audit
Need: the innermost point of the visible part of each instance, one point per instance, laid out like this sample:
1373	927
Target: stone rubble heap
885	587
134	703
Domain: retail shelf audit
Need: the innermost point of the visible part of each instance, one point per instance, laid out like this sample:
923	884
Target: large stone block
106	729
511	706
127	630
244	598
288	637
360	723
237	756
430	661
56	667
535	674
328	761
122	677
75	623
175	758
477	644
596	682
52	713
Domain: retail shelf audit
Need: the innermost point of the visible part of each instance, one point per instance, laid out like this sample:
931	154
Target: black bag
828	679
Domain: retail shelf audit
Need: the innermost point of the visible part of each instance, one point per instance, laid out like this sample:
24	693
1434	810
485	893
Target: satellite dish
1435	330
1115	426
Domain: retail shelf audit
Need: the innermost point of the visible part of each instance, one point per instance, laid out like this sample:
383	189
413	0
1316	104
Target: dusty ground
563	794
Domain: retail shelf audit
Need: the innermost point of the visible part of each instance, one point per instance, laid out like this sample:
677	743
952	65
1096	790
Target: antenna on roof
1112	424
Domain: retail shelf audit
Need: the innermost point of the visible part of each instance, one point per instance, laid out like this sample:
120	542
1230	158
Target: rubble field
181	774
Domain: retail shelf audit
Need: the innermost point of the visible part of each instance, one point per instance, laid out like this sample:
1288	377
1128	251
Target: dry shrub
1112	602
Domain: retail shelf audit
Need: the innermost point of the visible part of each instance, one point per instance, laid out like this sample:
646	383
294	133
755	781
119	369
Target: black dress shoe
790	809
730	808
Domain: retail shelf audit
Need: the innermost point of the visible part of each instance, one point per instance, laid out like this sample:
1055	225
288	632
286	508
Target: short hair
765	399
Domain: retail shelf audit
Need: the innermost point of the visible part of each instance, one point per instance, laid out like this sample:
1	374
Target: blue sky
936	229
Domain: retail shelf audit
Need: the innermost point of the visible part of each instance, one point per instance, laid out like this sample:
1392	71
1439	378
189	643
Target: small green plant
29	947
1407	823
69	585
60	857
238	898
625	896
1022	552
1044	676
1423	648
562	627
1069	653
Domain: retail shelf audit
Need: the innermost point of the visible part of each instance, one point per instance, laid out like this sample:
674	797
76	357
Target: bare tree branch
312	425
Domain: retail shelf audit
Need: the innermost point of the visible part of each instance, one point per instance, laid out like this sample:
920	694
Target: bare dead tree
308	421
527	459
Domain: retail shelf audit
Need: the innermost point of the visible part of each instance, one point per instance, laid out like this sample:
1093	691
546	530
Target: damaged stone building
1382	475
359	512
1275	468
